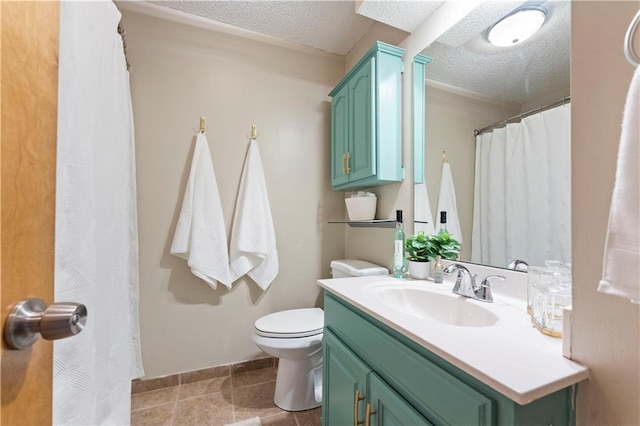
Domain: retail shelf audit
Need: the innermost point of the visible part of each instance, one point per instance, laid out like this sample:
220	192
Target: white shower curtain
96	252
522	195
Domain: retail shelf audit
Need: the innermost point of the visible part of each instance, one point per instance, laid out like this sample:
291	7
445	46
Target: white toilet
295	337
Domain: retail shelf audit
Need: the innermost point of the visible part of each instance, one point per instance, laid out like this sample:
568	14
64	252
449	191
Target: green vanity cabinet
357	392
406	384
366	139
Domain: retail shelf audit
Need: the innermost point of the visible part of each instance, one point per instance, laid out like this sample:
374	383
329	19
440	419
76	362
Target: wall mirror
512	181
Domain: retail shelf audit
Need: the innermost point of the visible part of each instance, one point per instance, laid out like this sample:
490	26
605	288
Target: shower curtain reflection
522	194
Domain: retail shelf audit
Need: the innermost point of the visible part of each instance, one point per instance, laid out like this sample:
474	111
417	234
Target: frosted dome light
517	27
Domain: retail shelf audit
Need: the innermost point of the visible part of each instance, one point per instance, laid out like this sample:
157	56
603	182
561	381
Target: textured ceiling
485	15
462	56
534	68
332	26
406	15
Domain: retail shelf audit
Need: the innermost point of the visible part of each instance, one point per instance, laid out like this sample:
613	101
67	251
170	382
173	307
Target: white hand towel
200	235
253	239
621	269
447	203
422	210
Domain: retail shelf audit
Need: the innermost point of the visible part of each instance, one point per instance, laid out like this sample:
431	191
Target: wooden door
29	62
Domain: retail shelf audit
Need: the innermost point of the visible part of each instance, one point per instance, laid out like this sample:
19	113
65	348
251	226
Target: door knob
31	318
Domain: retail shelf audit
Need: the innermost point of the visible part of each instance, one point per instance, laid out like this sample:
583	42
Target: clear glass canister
550	295
534	274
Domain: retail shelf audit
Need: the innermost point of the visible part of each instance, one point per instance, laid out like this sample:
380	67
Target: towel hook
254	132
203	124
629	52
444	156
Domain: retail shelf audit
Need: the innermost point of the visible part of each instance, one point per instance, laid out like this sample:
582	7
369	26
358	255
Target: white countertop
510	356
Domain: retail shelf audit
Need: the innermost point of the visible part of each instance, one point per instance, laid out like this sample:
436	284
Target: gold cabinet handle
369	413
344	170
348	162
357	399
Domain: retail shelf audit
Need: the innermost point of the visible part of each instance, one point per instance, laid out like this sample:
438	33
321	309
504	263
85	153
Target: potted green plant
444	246
419	249
422	248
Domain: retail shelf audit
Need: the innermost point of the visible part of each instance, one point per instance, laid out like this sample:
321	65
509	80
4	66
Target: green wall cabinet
369	365
366	127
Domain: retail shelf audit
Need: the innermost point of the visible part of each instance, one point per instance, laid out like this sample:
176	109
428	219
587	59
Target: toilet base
295	383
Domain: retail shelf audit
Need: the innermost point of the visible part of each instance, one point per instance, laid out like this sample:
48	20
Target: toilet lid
292	323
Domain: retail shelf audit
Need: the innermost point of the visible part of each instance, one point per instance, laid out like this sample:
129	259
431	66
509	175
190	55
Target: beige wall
605	329
179	73
450	121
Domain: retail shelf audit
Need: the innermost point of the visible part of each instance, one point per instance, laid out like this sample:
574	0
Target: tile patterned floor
231	397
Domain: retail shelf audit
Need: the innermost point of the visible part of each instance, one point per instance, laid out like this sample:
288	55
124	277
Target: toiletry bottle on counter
438	271
399	267
443	223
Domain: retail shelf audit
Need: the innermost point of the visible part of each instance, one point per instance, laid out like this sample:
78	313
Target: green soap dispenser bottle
443	223
399	267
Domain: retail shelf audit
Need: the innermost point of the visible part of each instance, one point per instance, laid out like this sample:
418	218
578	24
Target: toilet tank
345	268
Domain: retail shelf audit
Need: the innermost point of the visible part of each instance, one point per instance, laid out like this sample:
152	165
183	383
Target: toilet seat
291	324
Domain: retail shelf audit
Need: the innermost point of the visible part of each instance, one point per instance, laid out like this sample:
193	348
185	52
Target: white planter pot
419	270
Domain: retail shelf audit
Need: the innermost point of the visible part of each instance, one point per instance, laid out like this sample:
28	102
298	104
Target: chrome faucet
518	265
466	283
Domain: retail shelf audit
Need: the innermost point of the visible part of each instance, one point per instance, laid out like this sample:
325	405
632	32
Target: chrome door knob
31	318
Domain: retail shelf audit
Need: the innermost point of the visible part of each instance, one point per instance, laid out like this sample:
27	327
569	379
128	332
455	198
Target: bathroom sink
436	305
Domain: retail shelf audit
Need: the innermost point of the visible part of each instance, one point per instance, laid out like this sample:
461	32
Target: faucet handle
450	270
486	282
484	292
455	267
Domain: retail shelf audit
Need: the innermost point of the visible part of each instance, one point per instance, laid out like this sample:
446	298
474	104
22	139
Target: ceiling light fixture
516	27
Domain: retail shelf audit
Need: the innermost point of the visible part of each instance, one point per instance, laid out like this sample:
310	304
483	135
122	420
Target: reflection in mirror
511	180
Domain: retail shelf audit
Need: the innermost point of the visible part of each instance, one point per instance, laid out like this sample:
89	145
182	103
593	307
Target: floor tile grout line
254	384
174	412
152	406
233	404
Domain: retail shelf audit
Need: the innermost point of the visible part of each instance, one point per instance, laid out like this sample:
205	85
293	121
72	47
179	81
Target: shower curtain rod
522	115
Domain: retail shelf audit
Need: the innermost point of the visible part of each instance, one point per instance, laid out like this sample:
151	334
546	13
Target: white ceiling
332	26
406	15
462	56
534	68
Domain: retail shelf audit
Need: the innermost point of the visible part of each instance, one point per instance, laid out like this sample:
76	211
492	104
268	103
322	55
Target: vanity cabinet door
388	408
344	384
339	137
